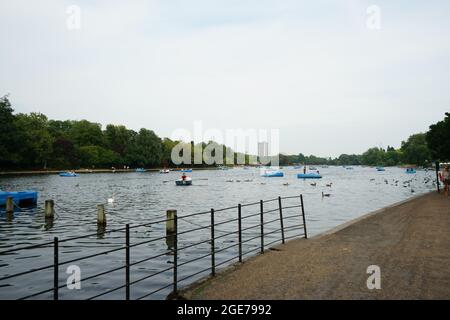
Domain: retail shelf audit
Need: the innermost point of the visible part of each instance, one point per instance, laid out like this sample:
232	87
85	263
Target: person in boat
304	169
183	176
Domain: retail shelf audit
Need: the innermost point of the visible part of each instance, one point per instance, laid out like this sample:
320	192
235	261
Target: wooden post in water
170	228
49	209
101	215
9	205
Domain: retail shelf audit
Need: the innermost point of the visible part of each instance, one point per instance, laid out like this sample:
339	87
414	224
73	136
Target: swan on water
111	200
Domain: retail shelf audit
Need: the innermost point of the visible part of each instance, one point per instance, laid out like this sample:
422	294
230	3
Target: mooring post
101	215
261	205
281	220
437	177
171	215
9	205
49	209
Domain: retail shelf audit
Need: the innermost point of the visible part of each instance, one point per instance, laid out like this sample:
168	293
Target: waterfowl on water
329	184
325	194
314	184
111	200
286	184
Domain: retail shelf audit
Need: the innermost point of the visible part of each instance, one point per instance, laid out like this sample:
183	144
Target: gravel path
410	242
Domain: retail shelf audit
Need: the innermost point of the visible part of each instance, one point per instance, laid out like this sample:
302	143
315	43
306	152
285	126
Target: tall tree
438	139
8	133
415	150
35	139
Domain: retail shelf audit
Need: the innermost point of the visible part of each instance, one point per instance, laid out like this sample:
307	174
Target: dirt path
410	243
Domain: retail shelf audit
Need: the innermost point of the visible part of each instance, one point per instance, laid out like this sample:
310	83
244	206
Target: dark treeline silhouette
32	141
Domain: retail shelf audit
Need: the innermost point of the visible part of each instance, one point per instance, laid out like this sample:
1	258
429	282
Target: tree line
32	141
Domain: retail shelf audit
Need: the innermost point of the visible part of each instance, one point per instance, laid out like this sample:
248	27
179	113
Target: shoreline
91	171
409	240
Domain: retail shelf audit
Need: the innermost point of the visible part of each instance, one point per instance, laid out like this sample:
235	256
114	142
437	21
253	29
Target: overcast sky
313	70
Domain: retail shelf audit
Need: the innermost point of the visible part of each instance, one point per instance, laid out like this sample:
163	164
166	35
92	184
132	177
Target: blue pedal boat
410	170
311	175
272	174
26	197
186	170
381	169
68	174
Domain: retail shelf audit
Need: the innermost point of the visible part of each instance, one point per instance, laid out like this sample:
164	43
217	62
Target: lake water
145	197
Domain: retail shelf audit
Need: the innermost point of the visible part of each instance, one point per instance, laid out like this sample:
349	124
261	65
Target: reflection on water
143	197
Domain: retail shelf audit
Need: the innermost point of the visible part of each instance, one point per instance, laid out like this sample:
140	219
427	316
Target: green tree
36	141
438	139
118	138
145	149
8	134
373	157
415	150
85	133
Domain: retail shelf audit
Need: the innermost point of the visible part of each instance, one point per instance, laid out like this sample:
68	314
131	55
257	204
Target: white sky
311	69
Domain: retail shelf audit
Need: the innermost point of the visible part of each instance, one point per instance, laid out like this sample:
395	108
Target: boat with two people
410	170
68	174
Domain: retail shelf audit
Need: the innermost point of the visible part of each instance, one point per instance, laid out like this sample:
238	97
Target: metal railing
250	229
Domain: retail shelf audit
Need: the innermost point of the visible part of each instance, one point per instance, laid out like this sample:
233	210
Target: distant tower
263	149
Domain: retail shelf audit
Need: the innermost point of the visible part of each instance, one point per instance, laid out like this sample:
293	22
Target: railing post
281	219
240	231
437	177
303	214
175	255
127	262
261	204
213	253
55	269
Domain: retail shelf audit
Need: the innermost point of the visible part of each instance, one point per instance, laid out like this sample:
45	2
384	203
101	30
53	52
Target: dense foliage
31	141
438	139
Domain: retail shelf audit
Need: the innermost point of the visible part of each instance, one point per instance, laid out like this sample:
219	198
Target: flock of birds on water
406	184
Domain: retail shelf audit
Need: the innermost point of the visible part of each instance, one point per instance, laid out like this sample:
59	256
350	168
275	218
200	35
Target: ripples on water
144	197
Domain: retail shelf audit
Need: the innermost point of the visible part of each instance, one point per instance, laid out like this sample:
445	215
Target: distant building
263	149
